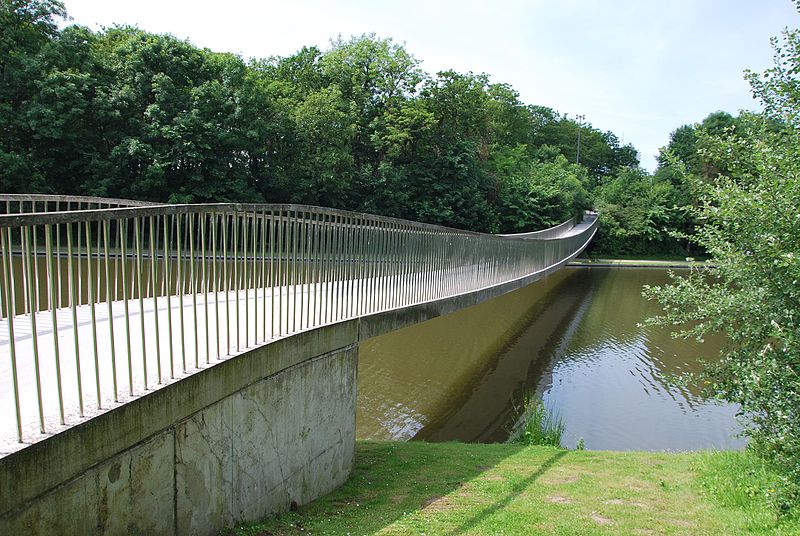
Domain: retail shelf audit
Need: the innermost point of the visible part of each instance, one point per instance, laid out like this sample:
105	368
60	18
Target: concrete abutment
236	450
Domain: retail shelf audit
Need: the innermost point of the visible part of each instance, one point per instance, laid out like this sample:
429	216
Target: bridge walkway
63	365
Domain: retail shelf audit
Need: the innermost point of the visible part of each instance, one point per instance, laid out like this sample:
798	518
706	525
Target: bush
751	229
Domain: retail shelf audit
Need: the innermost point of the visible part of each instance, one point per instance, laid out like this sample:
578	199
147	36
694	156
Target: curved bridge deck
104	301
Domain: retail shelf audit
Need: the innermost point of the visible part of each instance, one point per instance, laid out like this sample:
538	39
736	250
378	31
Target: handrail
157	209
100	306
546	234
37	203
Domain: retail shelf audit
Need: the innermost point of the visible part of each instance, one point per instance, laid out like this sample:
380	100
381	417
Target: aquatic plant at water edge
537	425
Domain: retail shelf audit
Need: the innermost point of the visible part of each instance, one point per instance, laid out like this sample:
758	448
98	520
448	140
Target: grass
643	257
537	425
453	488
654	263
740	483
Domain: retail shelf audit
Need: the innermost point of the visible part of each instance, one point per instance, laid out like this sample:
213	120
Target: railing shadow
516	490
391	477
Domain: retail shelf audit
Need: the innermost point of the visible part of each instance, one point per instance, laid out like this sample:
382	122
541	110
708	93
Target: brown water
572	339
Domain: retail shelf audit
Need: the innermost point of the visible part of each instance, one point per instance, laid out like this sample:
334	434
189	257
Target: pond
572	339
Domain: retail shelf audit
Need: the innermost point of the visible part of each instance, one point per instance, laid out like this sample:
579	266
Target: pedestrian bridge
110	305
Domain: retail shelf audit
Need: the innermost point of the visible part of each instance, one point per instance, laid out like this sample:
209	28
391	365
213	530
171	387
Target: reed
537	425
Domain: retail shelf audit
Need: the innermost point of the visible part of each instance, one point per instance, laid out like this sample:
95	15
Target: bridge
125	327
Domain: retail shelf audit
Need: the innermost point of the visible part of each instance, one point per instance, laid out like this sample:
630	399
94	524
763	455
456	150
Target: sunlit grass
741	483
453	488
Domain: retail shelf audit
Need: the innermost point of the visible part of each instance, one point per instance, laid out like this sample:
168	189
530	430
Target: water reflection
613	383
572	339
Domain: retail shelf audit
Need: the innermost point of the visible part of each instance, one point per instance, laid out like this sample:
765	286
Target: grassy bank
700	257
452	488
637	263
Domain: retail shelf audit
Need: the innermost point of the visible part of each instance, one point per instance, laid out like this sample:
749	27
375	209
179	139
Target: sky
639	68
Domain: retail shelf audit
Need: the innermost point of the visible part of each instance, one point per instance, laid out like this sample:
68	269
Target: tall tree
123	112
25	27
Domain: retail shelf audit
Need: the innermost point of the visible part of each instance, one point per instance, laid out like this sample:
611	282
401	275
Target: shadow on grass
391	480
518	488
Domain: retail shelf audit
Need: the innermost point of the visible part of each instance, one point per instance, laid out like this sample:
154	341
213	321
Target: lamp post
580	118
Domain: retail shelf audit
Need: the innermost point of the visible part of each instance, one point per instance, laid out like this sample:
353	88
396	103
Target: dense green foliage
750	225
126	113
655	214
641	212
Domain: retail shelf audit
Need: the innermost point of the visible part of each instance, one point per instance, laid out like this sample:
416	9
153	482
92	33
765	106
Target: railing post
299	268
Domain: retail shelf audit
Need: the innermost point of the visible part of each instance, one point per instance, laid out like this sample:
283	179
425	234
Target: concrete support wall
286	437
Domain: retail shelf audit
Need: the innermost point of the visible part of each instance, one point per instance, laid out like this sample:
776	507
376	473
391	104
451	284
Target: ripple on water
614	387
582	350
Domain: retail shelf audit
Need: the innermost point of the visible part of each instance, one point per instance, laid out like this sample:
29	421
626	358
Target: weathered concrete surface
285	440
32	471
280	428
129	494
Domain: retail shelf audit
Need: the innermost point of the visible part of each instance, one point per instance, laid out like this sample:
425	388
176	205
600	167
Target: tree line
359	126
126	113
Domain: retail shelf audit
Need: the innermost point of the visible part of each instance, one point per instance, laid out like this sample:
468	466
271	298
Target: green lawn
649	262
454	488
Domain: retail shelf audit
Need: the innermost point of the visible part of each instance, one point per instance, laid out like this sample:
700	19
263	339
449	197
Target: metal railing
550	232
100	306
28	203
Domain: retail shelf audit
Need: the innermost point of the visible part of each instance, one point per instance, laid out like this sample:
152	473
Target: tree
689	148
751	228
374	76
127	113
638	211
601	152
25	27
683	147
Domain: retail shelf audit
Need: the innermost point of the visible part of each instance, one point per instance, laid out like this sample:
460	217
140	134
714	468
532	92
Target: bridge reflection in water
574	339
104	300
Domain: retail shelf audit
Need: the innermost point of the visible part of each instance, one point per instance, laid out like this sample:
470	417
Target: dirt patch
397	499
681	523
431	501
639	486
494	478
623	502
438	504
557	499
600	520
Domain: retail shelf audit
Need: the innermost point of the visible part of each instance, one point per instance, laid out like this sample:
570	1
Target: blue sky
636	67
